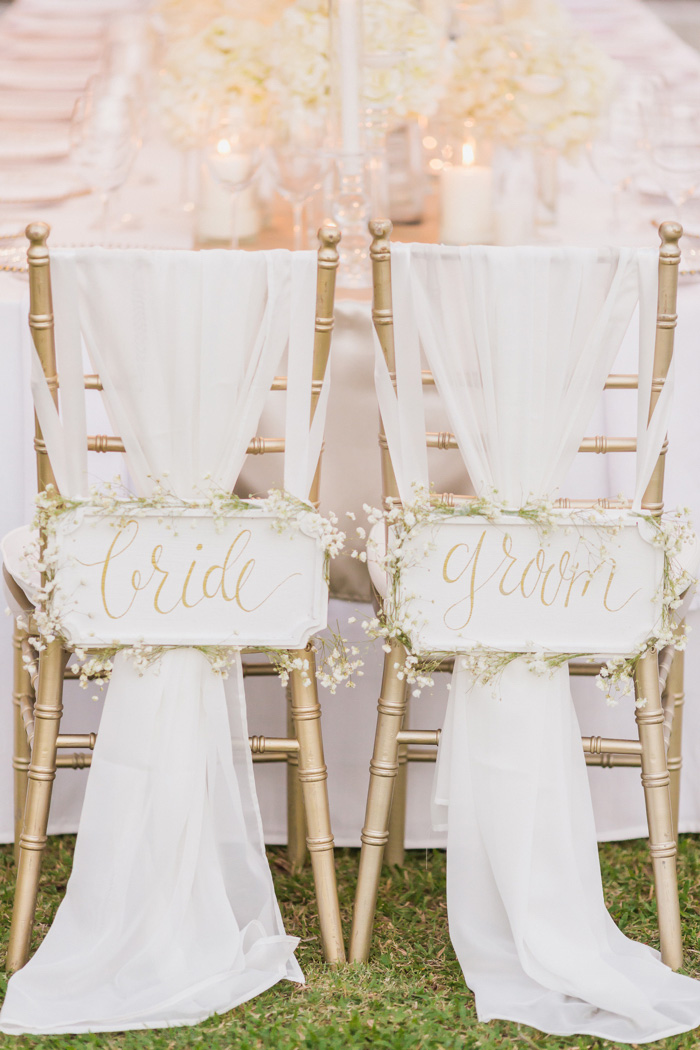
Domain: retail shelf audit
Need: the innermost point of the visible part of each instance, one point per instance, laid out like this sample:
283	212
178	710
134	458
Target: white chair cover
520	341
170	913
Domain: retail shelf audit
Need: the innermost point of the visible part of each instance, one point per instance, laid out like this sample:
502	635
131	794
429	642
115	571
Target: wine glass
619	150
105	138
300	161
233	154
675	147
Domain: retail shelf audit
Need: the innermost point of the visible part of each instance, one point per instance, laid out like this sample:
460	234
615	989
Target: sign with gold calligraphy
506	585
180	577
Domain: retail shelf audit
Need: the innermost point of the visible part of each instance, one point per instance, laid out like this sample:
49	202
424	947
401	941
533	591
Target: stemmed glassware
620	150
233	153
300	162
675	147
105	138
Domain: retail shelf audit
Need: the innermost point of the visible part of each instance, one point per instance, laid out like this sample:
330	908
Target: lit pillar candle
466	201
214	211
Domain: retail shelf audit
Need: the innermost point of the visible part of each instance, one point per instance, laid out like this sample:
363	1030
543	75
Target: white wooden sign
505	586
180	578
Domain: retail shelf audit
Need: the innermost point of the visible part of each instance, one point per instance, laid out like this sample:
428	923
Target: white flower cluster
403	58
300	57
530	80
336	664
294	514
219	52
213	57
673	532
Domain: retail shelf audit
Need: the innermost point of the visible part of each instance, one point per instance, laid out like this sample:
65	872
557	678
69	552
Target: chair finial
329	235
329	238
670	233
37	234
380	228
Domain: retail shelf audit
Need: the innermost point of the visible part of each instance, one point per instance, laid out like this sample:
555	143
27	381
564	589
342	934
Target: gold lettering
243	578
190	605
474	561
155	557
245	535
507	548
575	576
111	554
533	561
543	597
609	585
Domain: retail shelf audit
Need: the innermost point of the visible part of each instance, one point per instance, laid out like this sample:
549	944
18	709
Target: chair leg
296	820
394	850
674	760
306	712
21	754
382	776
42	772
657	796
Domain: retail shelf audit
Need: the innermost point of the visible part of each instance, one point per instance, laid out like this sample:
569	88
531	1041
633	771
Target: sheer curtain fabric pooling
520	342
170	913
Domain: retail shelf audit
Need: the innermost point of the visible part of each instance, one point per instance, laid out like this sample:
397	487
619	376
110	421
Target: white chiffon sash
524	896
170	912
520	342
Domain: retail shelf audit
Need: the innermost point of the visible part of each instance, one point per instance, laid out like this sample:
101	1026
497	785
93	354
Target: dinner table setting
203	132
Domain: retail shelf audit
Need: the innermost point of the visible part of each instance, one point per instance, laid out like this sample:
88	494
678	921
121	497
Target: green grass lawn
412	996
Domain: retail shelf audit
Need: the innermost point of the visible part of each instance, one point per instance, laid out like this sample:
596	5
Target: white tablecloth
351	476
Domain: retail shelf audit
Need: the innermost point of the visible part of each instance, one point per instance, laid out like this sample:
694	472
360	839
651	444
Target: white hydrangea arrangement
337	661
220	52
222	62
530	80
394	624
403	58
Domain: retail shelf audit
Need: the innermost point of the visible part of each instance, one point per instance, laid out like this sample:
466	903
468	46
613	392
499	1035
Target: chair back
188	346
435	261
519	345
41	322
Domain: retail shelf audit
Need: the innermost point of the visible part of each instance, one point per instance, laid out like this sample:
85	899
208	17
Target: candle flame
223	146
467	154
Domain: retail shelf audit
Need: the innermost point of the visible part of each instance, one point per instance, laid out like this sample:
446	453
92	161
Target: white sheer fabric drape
520	341
170	913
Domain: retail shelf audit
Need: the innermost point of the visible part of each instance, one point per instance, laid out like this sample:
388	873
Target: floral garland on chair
394	623
338	660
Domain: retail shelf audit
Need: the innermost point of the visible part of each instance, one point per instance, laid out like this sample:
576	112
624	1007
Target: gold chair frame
38	696
659	677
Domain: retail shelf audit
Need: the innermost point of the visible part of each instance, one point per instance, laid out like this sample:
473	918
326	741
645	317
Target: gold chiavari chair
659	677
40	749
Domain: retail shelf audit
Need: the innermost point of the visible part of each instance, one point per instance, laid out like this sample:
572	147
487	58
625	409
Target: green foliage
411	997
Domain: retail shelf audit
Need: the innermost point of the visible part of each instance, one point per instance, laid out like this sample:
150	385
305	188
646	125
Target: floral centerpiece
529	79
212	58
220	51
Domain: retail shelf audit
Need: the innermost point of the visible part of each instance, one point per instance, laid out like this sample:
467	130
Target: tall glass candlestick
349	206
